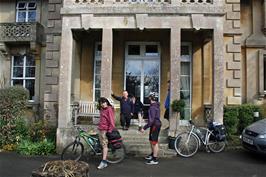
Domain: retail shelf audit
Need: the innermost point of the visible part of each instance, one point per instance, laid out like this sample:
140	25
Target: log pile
62	168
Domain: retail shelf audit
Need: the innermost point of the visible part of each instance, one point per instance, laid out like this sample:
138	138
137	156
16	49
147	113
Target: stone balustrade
117	2
143	7
21	32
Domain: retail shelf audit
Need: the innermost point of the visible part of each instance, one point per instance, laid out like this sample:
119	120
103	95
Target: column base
64	136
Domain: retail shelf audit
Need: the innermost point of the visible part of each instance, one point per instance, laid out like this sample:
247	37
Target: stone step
143	140
143	153
137	143
144	149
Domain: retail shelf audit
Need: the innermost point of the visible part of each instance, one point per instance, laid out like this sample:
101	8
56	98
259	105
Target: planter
171	142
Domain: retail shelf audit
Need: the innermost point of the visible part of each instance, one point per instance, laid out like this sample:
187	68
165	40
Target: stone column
106	67
264	7
257	39
66	57
175	42
218	71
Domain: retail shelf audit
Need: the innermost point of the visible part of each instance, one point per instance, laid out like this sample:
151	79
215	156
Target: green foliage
236	118
13	102
178	105
263	109
246	115
12	107
44	147
231	119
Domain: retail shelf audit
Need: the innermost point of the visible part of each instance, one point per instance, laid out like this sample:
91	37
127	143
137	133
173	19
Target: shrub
246	115
178	105
12	108
231	119
13	102
44	147
263	109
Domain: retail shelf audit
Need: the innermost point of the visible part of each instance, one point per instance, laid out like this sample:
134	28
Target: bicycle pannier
114	139
218	131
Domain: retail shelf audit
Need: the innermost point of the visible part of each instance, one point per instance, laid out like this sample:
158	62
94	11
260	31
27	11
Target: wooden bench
86	109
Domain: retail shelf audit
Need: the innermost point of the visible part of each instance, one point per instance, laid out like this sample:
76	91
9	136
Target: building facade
212	51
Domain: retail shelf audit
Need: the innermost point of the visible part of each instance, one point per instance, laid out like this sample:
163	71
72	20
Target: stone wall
232	49
51	78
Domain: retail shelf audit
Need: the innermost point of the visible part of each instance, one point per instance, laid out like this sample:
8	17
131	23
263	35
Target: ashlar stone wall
232	49
51	78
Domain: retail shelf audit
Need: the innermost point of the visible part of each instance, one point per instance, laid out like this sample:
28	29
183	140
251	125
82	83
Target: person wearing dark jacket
138	109
126	109
154	123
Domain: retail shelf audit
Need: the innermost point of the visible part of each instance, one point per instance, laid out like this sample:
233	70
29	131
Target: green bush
12	107
246	115
13	102
236	118
263	109
44	147
231	119
178	105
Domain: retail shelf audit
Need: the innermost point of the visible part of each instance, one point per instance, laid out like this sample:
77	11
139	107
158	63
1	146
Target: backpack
114	139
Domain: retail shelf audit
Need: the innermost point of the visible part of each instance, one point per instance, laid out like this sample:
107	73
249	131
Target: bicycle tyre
116	155
186	148
73	151
214	145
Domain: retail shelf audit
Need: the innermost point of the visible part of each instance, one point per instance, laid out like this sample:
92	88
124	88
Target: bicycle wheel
116	155
214	145
73	151
186	145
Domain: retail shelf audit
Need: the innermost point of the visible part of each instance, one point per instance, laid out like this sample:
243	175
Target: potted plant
178	106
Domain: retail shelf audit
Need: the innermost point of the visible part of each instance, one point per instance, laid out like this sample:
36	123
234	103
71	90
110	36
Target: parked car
254	137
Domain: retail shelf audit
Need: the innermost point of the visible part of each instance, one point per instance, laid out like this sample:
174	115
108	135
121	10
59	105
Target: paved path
226	164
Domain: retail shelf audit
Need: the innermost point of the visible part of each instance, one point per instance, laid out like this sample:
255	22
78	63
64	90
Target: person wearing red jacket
106	124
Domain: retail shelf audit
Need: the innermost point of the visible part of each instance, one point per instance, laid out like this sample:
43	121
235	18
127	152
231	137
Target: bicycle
188	143
75	150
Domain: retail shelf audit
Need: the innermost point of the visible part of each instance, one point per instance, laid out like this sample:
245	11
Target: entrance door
142	70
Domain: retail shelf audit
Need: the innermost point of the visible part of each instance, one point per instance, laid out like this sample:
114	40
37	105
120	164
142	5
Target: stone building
212	51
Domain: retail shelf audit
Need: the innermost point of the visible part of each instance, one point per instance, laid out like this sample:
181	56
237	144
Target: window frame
187	59
97	57
143	57
27	10
264	73
24	78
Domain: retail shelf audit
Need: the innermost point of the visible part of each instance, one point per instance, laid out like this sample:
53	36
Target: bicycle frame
203	140
88	139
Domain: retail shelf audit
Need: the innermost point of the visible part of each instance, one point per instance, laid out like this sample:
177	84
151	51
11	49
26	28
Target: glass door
142	70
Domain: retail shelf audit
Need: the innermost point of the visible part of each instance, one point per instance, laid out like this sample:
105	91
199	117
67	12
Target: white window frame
24	78
97	57
142	57
26	9
264	73
188	58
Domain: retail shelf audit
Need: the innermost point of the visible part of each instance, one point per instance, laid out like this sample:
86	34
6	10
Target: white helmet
111	101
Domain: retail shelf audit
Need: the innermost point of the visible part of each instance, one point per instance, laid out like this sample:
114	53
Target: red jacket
107	119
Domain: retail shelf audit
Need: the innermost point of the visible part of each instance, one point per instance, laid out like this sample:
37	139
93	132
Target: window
97	71
185	79
26	11
142	70
264	65
23	73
